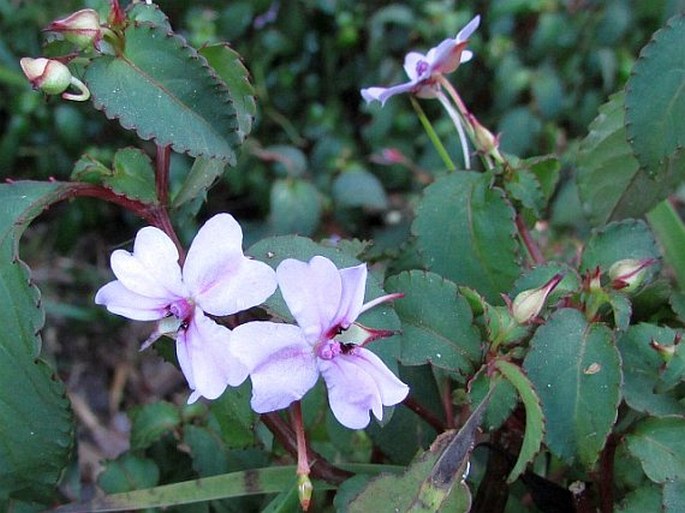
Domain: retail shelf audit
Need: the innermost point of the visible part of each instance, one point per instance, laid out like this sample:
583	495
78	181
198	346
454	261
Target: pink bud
53	77
628	274
47	75
81	28
528	304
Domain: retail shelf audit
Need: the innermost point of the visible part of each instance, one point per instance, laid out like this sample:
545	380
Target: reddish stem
298	425
320	467
531	245
606	478
435	422
447	403
162	174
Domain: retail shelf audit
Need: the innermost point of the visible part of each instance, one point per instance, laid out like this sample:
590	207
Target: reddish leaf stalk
528	242
298	425
433	420
320	467
606	478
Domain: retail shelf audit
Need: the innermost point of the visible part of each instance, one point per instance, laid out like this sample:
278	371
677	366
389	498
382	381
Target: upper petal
204	354
449	54
281	363
353	280
152	269
221	279
359	382
121	301
312	290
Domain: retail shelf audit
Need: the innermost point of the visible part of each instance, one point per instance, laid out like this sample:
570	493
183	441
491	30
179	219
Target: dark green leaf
142	11
128	473
151	421
209	454
641	500
674	496
235	417
36	427
230	68
161	88
655	99
503	398
611	183
642	368
618	241
428	336
525	188
466	233
576	371
660	446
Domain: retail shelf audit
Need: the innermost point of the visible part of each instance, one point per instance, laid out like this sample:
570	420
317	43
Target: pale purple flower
285	361
424	70
216	278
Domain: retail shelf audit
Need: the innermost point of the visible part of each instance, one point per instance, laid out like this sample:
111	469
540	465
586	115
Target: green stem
432	135
670	232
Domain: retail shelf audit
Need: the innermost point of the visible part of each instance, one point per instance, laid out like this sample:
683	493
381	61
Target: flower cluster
283	361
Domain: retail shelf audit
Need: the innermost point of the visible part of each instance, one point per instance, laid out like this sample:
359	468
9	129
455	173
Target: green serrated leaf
133	175
576	370
209	453
525	188
465	231
204	173
660	446
622	308
164	90
227	63
37	425
142	11
547	170
655	99
642	367
629	238
151	421
428	336
611	183
535	423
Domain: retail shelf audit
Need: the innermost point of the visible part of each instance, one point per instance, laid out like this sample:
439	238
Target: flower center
421	67
182	309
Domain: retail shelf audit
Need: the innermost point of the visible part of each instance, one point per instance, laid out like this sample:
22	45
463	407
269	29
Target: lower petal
204	353
359	382
281	363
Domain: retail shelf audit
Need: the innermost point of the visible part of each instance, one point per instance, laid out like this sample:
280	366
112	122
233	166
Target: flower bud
53	77
485	140
666	352
304	491
528	304
628	274
47	75
81	28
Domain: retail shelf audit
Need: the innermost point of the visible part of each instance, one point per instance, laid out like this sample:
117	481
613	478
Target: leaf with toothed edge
655	100
37	425
164	90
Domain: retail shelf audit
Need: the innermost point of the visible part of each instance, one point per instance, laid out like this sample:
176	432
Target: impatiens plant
473	356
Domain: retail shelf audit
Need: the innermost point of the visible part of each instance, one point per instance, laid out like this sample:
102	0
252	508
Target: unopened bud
528	304
81	28
304	491
53	77
628	274
485	140
666	352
